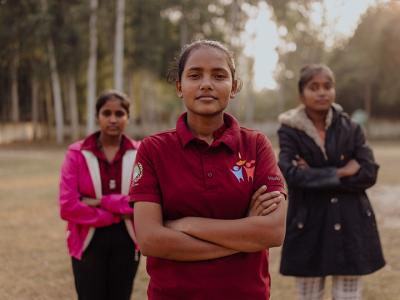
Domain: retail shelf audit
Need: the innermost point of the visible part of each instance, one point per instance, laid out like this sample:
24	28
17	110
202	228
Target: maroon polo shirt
188	177
110	172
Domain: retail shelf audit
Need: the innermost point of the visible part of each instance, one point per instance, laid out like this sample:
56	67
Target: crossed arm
192	238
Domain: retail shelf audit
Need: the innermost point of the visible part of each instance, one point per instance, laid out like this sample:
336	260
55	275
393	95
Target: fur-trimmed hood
297	118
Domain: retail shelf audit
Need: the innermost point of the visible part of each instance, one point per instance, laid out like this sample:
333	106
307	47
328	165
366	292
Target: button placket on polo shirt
209	170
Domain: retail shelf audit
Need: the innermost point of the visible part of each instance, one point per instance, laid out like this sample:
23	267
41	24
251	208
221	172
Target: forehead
112	103
207	58
321	77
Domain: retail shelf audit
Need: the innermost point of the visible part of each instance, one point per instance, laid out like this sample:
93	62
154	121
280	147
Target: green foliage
154	32
370	62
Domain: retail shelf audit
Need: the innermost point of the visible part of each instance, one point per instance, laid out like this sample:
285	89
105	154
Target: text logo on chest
243	170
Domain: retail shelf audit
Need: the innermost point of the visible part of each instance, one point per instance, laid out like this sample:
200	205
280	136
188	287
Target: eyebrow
214	69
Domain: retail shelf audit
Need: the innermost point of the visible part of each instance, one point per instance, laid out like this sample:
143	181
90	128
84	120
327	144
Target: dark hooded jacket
331	227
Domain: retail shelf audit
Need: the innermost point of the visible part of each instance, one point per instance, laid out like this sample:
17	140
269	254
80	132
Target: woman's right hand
263	203
91	202
350	169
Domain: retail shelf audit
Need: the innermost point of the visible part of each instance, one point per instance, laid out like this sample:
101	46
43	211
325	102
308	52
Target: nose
113	118
321	91
206	83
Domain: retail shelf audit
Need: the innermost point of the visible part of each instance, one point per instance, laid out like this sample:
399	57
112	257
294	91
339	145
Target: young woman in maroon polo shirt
94	201
208	194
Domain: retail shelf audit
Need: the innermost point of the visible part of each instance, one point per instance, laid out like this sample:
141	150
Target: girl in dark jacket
331	227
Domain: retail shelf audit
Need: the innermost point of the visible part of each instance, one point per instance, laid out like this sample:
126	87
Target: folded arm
368	172
298	176
71	207
159	241
250	234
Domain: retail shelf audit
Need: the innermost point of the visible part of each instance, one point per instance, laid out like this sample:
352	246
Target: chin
113	133
323	108
209	113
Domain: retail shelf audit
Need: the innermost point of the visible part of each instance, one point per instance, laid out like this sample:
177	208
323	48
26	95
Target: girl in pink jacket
94	187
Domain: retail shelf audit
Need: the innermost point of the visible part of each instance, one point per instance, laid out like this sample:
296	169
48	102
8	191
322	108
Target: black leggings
108	267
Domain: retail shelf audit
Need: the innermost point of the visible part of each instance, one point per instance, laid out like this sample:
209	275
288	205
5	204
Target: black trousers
108	266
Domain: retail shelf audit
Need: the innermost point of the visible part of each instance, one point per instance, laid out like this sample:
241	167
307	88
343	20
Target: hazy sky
262	37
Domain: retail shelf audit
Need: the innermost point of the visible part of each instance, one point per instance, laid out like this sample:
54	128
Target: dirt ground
34	263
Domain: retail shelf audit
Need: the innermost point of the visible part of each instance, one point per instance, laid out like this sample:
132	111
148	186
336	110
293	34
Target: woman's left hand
263	202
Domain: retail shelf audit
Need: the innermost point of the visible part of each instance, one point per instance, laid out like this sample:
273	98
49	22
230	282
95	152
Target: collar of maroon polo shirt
228	134
91	143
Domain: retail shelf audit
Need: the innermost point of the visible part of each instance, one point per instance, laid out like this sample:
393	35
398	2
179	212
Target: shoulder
135	144
75	147
288	131
254	136
159	140
344	121
73	156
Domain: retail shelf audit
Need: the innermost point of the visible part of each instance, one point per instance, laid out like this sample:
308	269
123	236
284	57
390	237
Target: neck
203	127
318	118
110	141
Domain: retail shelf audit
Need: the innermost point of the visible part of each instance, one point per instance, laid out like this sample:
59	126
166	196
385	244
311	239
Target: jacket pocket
366	206
299	221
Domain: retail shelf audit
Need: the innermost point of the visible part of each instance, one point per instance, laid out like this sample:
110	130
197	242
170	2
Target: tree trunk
73	107
119	46
35	105
91	93
14	87
131	93
56	87
137	95
49	111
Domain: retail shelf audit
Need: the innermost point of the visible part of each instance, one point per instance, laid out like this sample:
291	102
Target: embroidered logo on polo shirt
243	167
137	172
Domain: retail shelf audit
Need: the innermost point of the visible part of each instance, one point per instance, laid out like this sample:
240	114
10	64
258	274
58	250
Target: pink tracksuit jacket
80	175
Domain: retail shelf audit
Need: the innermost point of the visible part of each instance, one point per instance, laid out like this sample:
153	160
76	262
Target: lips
206	97
322	100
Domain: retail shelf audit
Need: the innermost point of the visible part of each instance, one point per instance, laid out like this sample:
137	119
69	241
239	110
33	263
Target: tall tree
119	46
14	86
92	67
35	104
56	88
55	84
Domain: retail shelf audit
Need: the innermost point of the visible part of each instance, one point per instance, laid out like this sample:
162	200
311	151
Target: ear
234	90
178	87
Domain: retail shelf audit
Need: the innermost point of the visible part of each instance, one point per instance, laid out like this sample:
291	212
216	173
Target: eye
120	113
106	113
220	76
328	86
194	75
313	87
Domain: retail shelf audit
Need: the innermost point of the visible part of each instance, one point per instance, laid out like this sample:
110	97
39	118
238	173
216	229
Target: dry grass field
34	263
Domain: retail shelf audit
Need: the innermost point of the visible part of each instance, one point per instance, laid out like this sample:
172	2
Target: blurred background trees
56	56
